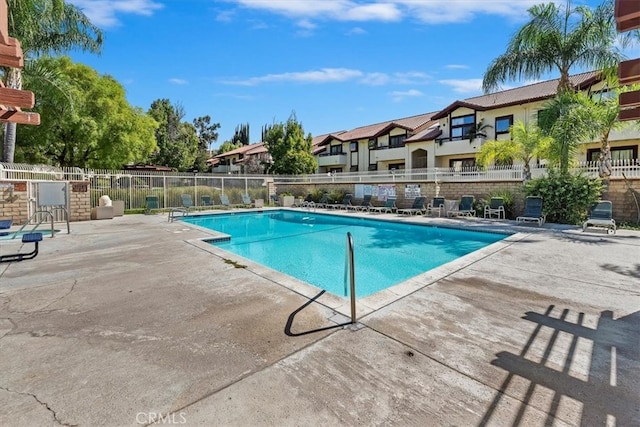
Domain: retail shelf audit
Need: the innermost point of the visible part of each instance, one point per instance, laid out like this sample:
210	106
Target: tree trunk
604	165
14	81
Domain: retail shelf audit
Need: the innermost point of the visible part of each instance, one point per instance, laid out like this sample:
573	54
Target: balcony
226	169
388	153
455	146
332	159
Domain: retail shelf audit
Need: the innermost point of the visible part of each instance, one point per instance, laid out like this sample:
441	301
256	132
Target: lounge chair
346	202
495	208
436	205
274	200
323	202
600	216
304	202
247	202
187	202
205	200
465	207
26	238
417	208
532	210
389	206
364	206
224	201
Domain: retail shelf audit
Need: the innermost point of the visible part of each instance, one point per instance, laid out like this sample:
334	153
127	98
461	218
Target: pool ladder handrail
350	266
49	213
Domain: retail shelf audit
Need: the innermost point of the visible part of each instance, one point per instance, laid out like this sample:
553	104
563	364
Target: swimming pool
312	246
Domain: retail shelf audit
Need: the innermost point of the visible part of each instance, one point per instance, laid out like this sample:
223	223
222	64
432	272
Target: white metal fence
133	187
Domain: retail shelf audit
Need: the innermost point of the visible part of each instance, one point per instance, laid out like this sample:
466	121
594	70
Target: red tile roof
428	134
371	131
530	93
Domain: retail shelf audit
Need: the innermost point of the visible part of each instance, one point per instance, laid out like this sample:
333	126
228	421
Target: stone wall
624	209
16	206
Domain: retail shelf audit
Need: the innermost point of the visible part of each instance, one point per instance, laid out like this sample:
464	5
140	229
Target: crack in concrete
45	404
41	310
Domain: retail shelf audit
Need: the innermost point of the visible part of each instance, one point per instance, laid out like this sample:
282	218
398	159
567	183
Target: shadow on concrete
630	272
611	391
292	316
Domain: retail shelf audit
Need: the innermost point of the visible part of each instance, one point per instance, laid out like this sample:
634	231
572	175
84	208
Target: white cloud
430	12
324	75
464	86
225	16
103	12
356	31
306	24
336	75
177	81
456	67
398	96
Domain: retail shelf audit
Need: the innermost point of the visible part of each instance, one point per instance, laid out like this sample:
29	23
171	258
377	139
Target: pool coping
374	302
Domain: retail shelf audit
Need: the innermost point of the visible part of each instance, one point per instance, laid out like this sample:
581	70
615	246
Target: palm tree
42	27
526	144
559	39
568	120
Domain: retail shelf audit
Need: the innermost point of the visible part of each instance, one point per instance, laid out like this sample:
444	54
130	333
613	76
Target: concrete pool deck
129	318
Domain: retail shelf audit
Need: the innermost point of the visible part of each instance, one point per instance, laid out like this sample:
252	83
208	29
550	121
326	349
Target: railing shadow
292	316
611	392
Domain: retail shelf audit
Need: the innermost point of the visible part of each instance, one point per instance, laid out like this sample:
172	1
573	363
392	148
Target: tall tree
559	39
568	120
290	150
207	135
526	144
44	26
177	140
89	124
241	135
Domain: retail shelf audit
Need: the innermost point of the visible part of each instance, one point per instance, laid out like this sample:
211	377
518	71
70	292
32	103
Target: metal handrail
352	276
48	213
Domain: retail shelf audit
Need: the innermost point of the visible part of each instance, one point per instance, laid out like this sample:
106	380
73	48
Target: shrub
566	197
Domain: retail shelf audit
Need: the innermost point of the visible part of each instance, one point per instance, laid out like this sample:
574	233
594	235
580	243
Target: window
335	170
397	141
462	126
336	149
353	146
503	124
394	166
372	144
603	95
617	153
373	167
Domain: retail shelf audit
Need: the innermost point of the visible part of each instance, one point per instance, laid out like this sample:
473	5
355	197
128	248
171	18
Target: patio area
135	320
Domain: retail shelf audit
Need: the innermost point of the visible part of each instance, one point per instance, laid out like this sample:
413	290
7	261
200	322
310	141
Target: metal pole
352	277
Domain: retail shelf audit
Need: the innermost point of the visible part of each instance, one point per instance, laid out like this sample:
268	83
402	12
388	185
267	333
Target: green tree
227	146
177	140
90	124
207	135
44	26
241	135
290	150
559	39
568	120
526	144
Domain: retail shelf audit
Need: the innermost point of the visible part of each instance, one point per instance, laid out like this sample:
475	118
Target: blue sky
338	64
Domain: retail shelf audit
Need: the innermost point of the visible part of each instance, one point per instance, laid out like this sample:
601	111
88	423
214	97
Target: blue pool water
312	246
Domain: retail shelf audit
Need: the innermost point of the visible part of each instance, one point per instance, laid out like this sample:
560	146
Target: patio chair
389	206
224	201
495	208
18	256
532	211
346	202
600	216
323	202
418	207
436	205
274	200
465	207
205	200
151	203
363	206
187	202
304	202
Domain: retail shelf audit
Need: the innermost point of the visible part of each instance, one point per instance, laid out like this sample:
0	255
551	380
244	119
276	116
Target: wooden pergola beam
629	99
627	14
19	117
10	50
629	114
629	71
17	98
